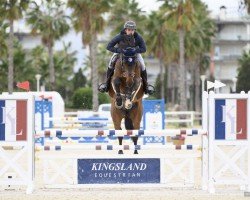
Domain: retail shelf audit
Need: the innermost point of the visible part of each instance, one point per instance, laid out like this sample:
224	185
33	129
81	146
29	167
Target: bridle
125	73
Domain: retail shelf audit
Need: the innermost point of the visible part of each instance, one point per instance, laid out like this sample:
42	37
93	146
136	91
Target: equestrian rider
128	37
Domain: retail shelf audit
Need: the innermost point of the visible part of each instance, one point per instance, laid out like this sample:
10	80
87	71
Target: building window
216	52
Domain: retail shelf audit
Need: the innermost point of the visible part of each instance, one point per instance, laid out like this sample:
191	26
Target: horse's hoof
120	152
118	106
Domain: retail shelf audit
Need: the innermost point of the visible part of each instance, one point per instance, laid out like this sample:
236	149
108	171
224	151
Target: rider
127	37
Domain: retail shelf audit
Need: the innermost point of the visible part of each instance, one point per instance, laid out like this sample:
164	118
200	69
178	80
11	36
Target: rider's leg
147	89
110	71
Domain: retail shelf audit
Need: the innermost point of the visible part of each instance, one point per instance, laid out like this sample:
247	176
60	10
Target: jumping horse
126	94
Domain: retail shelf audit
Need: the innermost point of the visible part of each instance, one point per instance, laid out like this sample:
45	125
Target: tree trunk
162	78
94	70
10	58
173	83
182	78
197	88
169	84
51	68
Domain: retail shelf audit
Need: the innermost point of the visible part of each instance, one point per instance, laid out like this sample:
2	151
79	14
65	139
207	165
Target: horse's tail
128	123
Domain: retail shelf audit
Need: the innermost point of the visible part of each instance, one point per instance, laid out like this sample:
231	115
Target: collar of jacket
123	33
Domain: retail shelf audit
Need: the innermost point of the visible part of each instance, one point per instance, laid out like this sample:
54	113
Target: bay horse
126	94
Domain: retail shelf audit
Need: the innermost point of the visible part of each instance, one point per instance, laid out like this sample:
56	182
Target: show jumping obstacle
225	148
119	133
108	147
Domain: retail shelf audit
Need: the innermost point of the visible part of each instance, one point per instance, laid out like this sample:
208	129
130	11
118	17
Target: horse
126	94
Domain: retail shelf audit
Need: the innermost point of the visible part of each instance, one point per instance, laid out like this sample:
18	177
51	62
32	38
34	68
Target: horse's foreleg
117	119
117	125
117	83
136	88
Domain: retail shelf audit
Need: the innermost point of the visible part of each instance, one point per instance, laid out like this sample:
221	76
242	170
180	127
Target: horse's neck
119	64
138	69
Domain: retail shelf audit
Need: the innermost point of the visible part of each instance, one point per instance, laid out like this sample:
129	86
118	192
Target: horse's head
130	66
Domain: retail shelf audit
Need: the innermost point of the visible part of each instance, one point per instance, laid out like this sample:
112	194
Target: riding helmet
130	25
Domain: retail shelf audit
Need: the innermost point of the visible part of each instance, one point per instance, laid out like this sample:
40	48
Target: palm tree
124	10
23	69
247	4
180	16
161	42
50	21
102	62
88	18
198	42
243	83
11	11
3	37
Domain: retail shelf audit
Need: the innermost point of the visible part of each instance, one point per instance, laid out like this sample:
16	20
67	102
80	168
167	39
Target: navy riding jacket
139	43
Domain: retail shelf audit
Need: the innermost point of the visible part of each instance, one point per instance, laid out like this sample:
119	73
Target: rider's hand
118	50
124	51
133	50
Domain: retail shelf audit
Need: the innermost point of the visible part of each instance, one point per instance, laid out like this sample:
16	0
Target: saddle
128	55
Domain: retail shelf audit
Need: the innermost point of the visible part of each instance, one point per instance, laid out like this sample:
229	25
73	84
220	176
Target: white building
231	39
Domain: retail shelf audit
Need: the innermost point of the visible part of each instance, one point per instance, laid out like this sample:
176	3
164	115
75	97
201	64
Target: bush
103	98
243	83
157	85
82	98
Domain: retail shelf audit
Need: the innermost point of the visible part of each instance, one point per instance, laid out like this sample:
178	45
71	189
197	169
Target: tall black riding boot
104	87
148	89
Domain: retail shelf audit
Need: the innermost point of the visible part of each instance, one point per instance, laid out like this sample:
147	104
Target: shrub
82	98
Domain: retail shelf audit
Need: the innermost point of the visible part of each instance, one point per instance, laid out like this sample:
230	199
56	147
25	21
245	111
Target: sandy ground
121	193
94	194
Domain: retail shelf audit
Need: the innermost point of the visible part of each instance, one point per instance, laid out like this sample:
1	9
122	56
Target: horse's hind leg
120	139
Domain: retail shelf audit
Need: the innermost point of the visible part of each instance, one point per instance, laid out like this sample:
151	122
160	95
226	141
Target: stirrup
102	88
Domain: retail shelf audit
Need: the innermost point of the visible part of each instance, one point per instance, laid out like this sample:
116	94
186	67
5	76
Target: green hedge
82	98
